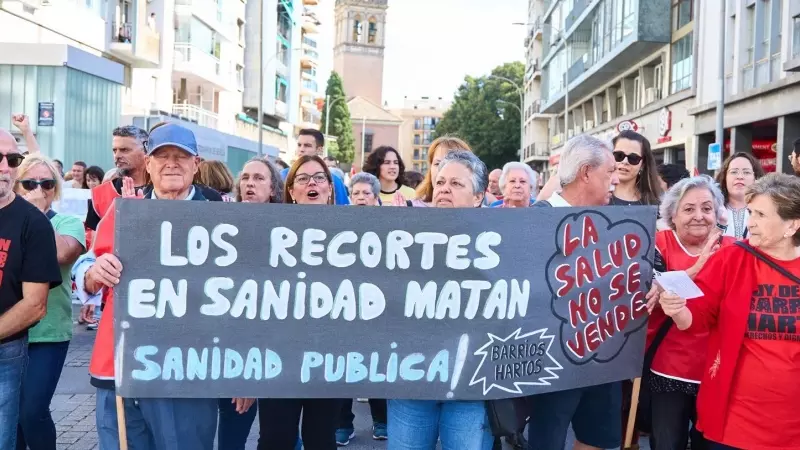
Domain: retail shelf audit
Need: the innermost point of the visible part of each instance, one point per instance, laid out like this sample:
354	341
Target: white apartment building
535	149
102	63
620	64
762	54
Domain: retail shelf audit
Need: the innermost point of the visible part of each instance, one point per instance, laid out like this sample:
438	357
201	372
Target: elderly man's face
494	182
602	180
10	162
453	188
171	169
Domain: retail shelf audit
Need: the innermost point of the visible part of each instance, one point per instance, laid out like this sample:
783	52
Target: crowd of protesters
718	371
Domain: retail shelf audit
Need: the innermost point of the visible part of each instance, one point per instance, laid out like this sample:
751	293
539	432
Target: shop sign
627	125
664	125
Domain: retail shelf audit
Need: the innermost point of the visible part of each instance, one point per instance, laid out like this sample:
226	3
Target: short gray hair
137	133
480	175
672	198
533	176
368	179
580	151
275	184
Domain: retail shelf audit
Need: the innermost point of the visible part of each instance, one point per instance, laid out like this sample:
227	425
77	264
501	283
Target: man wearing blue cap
152	423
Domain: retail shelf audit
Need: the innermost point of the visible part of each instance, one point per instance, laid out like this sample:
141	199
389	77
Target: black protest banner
246	300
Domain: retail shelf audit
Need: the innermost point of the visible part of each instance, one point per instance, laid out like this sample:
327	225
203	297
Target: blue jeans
157	423
36	428
416	425
13	359
595	413
234	427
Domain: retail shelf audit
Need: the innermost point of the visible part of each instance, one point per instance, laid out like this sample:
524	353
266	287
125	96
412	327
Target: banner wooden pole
123	431
637	383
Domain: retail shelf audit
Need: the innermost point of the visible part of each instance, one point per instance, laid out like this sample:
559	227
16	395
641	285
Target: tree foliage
490	127
341	127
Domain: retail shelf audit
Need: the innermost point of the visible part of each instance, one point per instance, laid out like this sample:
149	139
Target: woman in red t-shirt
690	209
751	309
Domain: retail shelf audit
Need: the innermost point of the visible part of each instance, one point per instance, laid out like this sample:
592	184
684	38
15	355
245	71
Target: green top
57	324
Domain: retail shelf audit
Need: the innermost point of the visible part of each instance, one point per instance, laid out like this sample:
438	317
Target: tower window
373	31
358	29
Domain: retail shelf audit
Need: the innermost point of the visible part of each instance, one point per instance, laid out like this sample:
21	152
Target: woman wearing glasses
738	173
308	182
637	171
38	182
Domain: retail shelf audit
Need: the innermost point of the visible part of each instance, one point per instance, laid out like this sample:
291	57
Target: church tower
359	48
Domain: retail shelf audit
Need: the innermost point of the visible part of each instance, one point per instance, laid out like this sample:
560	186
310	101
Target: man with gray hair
587	172
28	270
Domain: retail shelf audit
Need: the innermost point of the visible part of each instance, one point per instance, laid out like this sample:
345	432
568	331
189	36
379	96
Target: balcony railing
192	59
194	113
311	118
281	108
536	150
309	42
311	53
121	33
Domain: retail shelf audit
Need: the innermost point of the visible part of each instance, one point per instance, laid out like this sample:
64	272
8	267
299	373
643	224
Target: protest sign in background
73	202
250	300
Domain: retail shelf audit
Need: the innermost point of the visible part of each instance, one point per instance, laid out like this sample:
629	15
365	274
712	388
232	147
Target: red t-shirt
762	414
682	353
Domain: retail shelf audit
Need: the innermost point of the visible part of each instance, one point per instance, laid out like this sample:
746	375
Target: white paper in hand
679	283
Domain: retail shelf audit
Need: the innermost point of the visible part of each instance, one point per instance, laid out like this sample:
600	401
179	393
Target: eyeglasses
31	185
14	159
303	179
633	158
737	172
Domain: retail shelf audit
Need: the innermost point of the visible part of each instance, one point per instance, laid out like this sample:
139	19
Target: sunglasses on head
14	159
633	158
31	185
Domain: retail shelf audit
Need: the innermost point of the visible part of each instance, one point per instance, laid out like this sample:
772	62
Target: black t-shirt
27	253
92	219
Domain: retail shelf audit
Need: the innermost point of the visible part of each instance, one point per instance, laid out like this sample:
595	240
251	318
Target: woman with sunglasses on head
637	171
39	183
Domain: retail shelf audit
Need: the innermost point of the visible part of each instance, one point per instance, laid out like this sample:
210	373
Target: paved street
73	405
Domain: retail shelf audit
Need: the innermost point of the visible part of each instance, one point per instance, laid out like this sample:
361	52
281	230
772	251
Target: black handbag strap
50	214
768	261
650	354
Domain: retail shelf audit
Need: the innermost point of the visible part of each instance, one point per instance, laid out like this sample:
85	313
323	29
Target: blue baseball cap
174	135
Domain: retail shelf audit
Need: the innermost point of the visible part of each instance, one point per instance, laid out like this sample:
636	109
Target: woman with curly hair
386	165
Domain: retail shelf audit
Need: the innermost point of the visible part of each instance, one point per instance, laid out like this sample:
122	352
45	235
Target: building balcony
309	74
309	58
193	63
310	24
138	46
594	62
281	109
310	119
209	12
537	151
196	114
309	43
309	88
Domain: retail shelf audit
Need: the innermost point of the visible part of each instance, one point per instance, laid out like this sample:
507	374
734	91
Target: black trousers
672	414
377	407
278	420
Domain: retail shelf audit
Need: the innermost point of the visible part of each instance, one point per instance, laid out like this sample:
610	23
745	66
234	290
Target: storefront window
681	64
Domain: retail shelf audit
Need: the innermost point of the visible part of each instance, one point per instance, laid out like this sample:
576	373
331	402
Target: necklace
738	221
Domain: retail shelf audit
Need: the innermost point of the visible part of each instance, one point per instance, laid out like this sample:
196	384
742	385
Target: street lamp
520	108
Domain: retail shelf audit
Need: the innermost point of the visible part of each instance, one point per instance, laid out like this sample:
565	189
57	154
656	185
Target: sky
432	44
